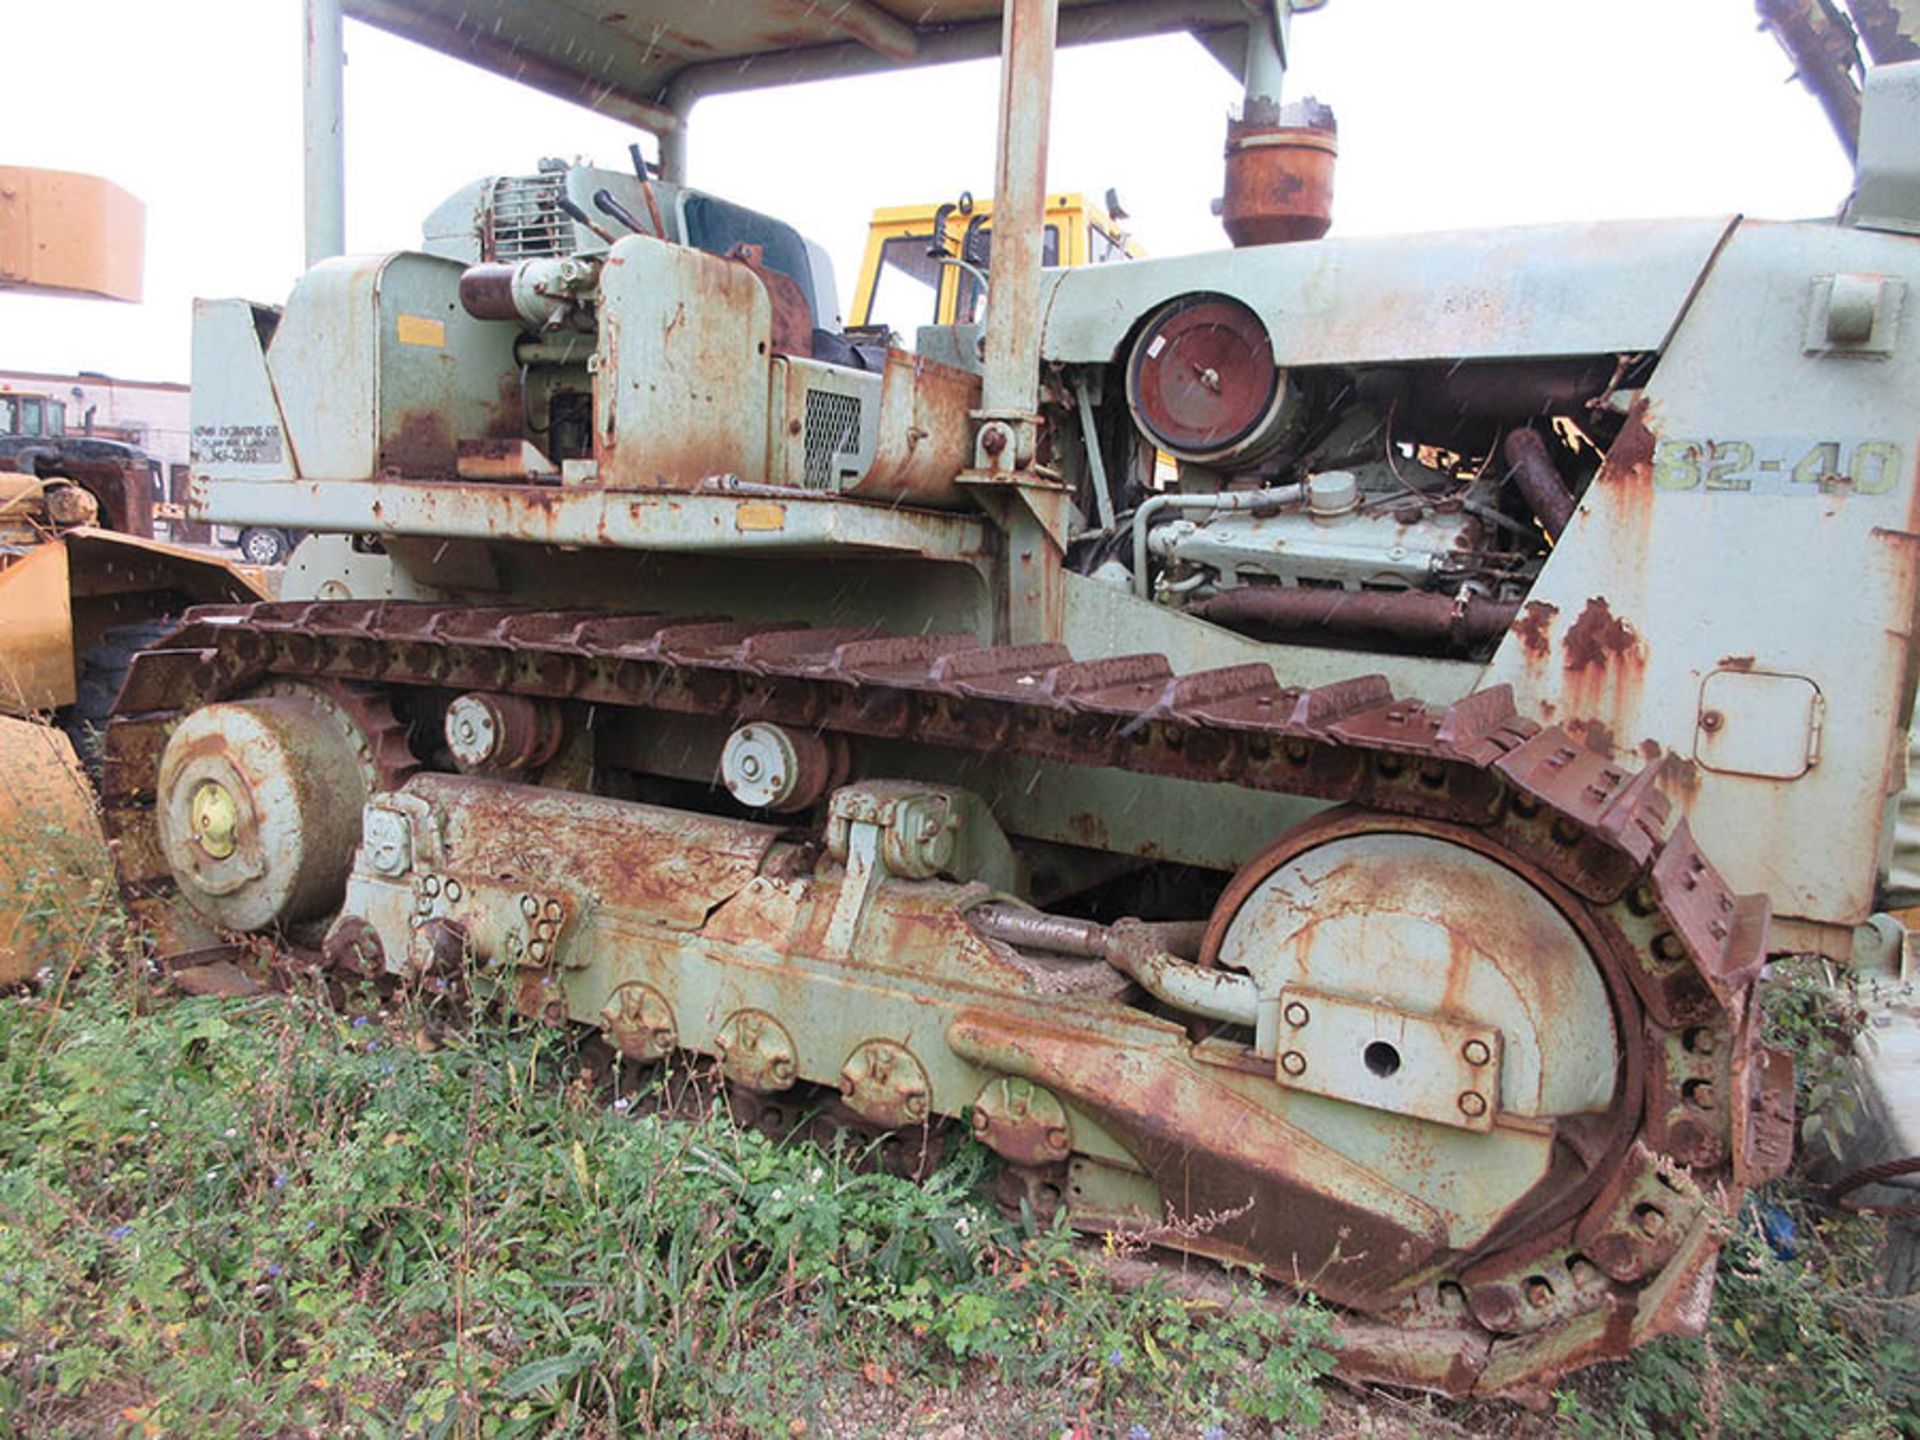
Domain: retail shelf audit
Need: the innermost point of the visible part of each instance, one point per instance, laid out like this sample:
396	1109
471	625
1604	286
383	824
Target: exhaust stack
1279	184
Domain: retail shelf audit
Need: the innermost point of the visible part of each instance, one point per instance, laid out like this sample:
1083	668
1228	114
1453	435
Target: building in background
151	414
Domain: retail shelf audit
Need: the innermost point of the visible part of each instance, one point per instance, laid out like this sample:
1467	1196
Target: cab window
31	417
56	417
906	290
9	418
1104	247
971	307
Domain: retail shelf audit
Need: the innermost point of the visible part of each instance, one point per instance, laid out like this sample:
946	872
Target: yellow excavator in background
927	264
76	598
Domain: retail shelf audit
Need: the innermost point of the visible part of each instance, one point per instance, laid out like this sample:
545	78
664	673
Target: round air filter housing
1202	384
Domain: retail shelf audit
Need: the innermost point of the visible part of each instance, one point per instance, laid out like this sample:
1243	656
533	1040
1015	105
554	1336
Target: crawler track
1625	1251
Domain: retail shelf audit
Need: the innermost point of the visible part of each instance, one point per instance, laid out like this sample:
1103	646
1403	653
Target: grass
267	1216
279	1215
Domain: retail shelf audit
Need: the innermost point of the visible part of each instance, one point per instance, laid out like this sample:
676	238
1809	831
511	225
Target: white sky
1453	113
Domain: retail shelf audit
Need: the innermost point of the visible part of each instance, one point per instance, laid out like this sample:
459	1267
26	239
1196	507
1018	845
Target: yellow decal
759	515
419	330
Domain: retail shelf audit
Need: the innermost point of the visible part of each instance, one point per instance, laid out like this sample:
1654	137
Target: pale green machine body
1090	808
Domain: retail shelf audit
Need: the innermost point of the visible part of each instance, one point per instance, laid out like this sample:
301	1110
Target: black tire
103	670
264	545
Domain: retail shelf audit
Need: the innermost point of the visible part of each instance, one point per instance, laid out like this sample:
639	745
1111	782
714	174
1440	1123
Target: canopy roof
647	61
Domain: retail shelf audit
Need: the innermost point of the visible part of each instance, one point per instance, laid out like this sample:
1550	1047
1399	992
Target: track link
1708	1108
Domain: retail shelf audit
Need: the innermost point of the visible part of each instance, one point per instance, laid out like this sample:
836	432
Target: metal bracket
1446	1071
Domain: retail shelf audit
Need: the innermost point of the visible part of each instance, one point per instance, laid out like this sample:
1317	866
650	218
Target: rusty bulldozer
1354	857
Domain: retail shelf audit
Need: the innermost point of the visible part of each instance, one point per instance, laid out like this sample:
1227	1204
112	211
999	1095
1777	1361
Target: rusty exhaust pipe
1539	482
1425	617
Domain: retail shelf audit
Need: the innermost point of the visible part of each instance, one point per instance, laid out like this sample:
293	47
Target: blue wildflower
280	1180
273	1271
120	1232
1214	1432
1114	1357
1138	1431
359	1022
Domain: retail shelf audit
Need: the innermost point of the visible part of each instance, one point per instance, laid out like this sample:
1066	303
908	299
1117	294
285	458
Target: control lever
642	170
584	218
607	205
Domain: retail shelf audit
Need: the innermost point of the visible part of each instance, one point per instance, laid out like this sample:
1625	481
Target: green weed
261	1216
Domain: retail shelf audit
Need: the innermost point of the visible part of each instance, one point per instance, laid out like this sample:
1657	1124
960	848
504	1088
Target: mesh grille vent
833	428
525	220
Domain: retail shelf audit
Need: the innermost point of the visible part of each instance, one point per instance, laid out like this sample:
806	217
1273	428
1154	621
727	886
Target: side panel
1738	586
682	388
1537	291
443	377
238	431
323	364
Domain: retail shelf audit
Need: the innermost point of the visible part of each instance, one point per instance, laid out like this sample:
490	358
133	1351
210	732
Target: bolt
1700	1094
1711	720
1652	1219
1293	1062
430	885
982	1123
1472	1104
1539	1293
1475	1052
1296	1014
993	440
1058	1141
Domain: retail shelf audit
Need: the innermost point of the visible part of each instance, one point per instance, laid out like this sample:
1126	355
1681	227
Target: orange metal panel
36	631
68	234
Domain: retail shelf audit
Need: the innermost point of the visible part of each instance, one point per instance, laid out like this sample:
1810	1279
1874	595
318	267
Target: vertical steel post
326	189
1029	508
1010	390
1266	65
673	152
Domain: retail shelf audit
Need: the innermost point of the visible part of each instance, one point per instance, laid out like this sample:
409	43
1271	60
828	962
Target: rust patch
1736	662
1535	625
791	331
422	445
1649	749
1596	735
1680	773
1630	457
506	416
1598	637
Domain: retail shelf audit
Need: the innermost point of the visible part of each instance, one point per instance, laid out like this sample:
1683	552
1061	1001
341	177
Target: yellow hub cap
215	818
